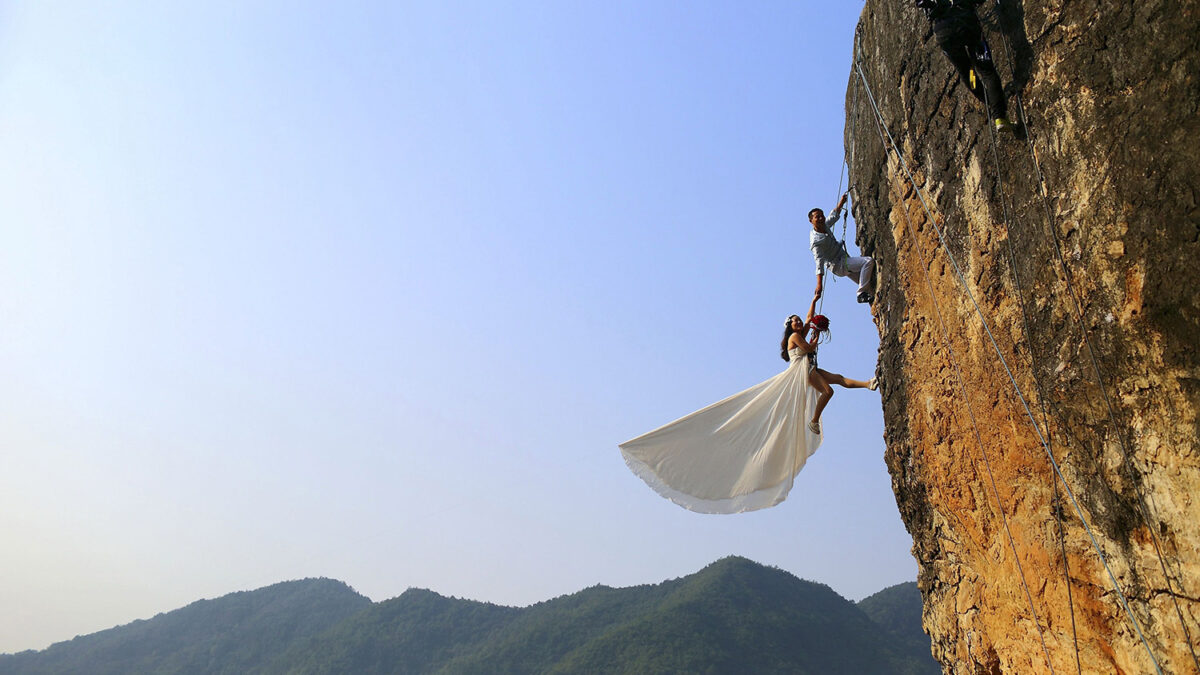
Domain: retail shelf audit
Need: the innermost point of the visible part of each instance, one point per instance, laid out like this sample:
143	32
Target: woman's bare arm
812	308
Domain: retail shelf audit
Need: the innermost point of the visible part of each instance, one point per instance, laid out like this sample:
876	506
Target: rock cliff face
1091	294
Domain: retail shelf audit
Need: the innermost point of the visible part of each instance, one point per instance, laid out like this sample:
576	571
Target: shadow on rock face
1009	20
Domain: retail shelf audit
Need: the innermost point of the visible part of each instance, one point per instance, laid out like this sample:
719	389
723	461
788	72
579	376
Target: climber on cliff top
960	36
831	253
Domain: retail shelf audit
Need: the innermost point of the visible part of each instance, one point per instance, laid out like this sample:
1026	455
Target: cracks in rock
1080	113
1049	32
1159	592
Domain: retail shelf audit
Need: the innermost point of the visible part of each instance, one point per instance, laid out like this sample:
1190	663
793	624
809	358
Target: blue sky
372	291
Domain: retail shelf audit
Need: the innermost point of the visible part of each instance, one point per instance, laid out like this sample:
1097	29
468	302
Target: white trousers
861	270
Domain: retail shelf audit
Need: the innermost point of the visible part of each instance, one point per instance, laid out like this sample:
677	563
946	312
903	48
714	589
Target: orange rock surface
1088	283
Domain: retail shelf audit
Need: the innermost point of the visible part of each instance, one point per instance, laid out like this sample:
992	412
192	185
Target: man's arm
820	286
836	213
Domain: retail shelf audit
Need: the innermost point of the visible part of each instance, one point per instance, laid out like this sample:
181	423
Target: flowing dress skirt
739	454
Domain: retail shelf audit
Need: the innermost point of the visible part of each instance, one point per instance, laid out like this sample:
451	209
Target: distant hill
237	633
734	616
897	610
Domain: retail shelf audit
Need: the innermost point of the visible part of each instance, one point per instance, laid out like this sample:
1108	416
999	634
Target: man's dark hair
814	211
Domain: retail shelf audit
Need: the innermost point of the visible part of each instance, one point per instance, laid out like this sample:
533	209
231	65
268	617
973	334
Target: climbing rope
945	339
1004	363
842	175
1012	259
1133	471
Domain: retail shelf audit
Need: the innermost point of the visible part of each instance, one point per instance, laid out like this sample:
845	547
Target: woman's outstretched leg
835	378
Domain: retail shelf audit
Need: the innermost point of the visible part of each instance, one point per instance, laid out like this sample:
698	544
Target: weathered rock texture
1110	89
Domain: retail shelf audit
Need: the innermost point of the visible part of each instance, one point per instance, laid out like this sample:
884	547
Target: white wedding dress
740	454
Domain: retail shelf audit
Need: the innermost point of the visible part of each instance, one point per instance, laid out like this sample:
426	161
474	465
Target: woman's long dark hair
787	333
819	323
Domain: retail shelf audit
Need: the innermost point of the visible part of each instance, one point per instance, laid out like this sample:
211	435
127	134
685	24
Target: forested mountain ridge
897	610
734	616
232	634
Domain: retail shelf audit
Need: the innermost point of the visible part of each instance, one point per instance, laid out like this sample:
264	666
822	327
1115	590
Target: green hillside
415	633
233	634
897	610
734	616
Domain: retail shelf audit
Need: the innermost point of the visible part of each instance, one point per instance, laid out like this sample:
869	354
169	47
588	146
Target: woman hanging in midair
796	337
743	453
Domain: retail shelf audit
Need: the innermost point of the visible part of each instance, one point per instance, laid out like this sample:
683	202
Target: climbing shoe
1004	124
866	297
873	385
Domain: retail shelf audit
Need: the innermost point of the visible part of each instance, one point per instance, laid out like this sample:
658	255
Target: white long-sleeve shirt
826	248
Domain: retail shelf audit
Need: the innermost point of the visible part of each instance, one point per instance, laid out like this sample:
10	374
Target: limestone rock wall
1111	91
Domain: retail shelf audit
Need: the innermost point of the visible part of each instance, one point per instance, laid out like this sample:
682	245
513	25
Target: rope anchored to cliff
945	339
1135	479
1004	363
1012	258
841	178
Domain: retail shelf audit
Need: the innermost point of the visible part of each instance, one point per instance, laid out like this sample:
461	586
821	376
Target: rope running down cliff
945	339
1006	210
1004	363
971	415
841	176
1133	471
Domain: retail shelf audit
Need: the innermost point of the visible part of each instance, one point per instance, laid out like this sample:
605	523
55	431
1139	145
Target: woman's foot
874	384
815	427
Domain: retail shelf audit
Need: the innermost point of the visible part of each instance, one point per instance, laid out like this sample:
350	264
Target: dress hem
760	499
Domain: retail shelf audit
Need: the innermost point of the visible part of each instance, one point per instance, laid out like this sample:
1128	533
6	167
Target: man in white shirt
831	253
